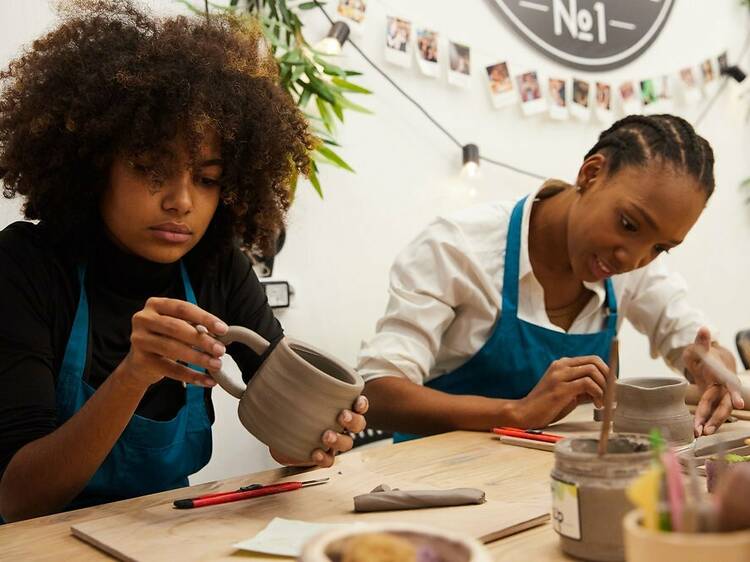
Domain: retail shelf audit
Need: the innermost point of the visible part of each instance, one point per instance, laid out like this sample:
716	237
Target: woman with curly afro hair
151	152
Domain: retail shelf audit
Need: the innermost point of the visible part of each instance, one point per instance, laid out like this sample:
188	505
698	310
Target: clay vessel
588	493
294	397
644	403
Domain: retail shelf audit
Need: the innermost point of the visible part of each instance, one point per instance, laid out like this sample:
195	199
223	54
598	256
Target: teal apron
150	456
518	353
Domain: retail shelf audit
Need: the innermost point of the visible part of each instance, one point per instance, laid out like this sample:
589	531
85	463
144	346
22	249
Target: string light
471	160
332	43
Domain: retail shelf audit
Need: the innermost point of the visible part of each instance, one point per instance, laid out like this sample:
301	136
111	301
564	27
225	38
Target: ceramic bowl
355	542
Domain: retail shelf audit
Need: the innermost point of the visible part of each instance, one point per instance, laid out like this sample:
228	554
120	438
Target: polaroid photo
557	98
398	41
648	95
603	103
580	105
722	61
500	85
630	100
664	86
691	91
353	11
656	95
530	92
459	64
710	76
427	51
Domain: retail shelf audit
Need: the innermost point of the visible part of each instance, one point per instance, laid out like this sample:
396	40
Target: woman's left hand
716	401
332	442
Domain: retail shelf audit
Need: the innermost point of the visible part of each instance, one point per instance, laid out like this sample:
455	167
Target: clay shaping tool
244	494
722	372
609	395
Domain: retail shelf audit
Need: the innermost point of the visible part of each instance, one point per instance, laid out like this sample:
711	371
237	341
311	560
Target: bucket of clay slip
646	545
588	493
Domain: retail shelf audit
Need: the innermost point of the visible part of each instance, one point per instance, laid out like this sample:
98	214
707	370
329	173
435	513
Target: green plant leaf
320	88
313	177
325	114
304	72
304	98
338	111
346	85
333	157
347	104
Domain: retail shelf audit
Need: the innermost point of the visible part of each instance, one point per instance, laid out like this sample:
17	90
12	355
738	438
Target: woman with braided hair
152	152
503	314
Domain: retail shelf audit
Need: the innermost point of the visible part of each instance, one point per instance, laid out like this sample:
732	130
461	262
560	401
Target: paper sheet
284	537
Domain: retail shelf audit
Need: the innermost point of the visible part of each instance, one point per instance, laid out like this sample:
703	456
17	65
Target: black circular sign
588	34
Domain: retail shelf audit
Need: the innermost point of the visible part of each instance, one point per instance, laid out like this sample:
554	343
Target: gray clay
294	397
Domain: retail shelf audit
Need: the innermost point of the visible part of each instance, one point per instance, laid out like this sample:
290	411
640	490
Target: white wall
338	250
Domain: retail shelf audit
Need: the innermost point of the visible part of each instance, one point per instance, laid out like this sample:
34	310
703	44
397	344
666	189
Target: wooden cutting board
163	533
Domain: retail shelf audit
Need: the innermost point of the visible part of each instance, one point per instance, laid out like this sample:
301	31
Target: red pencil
527	434
251	492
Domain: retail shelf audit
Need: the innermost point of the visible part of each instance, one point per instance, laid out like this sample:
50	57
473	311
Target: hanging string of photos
561	97
708	80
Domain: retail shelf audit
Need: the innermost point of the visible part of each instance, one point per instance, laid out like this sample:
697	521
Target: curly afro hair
114	80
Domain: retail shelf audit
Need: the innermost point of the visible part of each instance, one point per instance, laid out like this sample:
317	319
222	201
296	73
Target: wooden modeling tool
721	371
609	395
528	443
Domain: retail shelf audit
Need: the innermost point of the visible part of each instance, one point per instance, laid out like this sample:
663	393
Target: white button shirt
446	297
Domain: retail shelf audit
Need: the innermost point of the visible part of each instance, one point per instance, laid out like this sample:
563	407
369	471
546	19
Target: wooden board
164	533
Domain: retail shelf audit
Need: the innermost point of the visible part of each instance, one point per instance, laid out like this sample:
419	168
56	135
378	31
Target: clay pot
645	545
644	403
393	541
588	493
294	397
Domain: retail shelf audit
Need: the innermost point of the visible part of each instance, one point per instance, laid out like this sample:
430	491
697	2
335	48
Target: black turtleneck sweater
38	300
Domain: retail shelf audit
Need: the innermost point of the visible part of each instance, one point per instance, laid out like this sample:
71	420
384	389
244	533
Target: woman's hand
332	442
568	382
163	335
716	401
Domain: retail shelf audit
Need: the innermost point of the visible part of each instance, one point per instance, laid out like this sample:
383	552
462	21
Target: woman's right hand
163	333
568	382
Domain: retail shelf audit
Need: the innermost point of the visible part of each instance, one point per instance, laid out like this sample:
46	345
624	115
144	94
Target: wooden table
454	459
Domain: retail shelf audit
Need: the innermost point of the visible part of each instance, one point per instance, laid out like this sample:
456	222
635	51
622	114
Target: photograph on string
398	41
580	106
500	85
352	9
691	91
630	100
427	51
603	103
710	76
530	92
558	101
459	64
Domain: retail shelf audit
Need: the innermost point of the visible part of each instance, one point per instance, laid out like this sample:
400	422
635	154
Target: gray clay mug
644	403
296	394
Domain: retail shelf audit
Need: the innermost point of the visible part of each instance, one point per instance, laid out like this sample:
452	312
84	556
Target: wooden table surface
456	459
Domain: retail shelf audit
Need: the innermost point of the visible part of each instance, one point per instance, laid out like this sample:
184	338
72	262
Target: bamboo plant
321	88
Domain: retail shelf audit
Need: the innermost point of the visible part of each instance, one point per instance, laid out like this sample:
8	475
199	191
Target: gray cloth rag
383	498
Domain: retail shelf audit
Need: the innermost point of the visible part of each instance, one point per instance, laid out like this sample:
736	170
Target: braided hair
637	140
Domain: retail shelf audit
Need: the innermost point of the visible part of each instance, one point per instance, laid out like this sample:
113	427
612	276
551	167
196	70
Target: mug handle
242	335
